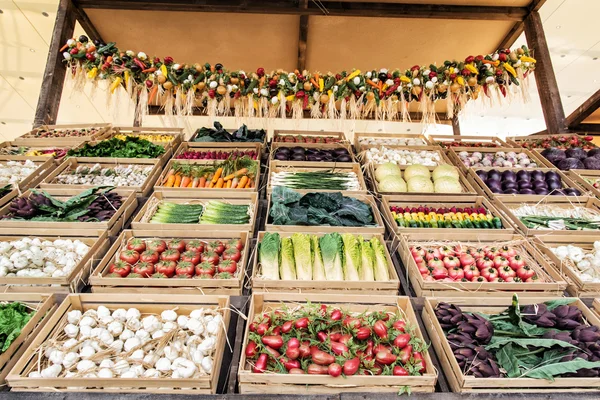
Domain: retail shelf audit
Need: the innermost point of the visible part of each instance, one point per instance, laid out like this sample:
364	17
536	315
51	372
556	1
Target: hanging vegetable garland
382	94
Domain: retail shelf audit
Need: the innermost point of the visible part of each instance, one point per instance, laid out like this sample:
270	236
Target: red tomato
149	256
232	254
363	333
211	257
170	255
195	245
351	366
166	267
380	329
145	269
129	256
136	244
216	246
120	268
176	244
334	369
184	268
228	266
401	340
191	256
156	245
236	243
205	269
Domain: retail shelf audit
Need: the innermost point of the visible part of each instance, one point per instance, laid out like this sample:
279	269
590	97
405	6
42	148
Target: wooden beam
584	110
512	36
455	125
86	24
536	5
584	128
552	107
338	8
55	72
302	38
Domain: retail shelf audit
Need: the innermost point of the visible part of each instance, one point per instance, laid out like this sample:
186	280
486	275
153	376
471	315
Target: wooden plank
302	37
354	9
587	128
456	125
584	110
55	72
87	24
554	113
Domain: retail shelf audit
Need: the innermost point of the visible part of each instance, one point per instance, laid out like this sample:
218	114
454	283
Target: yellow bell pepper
92	73
353	75
528	59
115	84
509	69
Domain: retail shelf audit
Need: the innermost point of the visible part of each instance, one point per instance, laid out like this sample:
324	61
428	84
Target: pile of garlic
39	258
393	141
586	262
125	344
15	171
380	155
120	175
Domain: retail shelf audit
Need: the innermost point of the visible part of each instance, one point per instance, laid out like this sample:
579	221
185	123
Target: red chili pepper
139	64
391	90
305	102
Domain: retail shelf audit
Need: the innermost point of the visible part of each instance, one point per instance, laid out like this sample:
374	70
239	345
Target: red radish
322	336
336	315
344	339
380	329
275	341
338	348
399	325
401	340
419	361
251	350
315	369
363	333
261	364
304	350
385	357
292	353
272	352
301	323
290	364
261	329
405	354
321	358
351	366
287	327
334	369
399	371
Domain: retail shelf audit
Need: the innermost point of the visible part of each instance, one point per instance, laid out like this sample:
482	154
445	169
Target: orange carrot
202	182
371	83
151	69
243	182
211	185
220	183
228	184
169	174
315	83
249	184
152	94
170	181
194	182
261	81
64	47
177	180
217	175
380	87
236	173
185	181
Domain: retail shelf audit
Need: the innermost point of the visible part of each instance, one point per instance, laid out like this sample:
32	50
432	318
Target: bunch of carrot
227	175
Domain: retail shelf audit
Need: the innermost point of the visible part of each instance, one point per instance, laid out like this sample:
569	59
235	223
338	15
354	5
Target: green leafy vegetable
302	256
380	268
352	257
317	260
268	254
368	260
332	251
131	147
287	264
549	371
13	317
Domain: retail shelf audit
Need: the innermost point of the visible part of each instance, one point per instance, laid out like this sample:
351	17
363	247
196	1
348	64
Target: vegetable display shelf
73	282
39	152
43	167
521	154
71	164
308	384
363	140
316	183
441	269
367	154
143	219
390	286
449	202
300	137
42	306
572	273
53	227
342	158
102	282
466	186
553	211
245	147
563	182
36	137
583	177
212	168
463	383
160	160
472	142
32	359
540	141
170	136
377	227
226	144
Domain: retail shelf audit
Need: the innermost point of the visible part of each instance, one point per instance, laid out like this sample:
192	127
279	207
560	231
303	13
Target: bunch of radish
325	340
463	263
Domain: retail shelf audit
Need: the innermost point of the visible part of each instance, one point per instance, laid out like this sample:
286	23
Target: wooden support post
554	114
55	72
302	38
455	125
584	111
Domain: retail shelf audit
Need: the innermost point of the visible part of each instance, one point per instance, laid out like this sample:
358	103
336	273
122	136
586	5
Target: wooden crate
485	190
113	226
448	201
361	156
161	160
596	307
74	282
18	378
507	204
240	193
29	139
8	197
187	197
185	146
250	382
176	133
370	200
103	284
576	286
4	146
468	189
520	140
382	137
304	166
338	287
317	146
485	141
454	151
225	145
579	177
554	287
459	382
72	163
279	135
44	167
